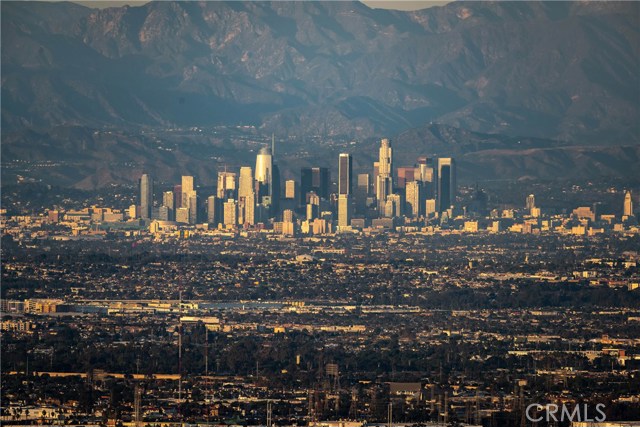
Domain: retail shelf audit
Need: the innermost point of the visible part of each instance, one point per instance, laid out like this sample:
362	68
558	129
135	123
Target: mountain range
564	72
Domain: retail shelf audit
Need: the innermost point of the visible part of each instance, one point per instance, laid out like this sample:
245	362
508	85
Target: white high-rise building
245	185
414	199
384	185
264	172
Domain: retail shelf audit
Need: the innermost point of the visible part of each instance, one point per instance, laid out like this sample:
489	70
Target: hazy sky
378	4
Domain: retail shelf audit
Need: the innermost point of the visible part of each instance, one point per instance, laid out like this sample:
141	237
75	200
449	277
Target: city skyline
320	214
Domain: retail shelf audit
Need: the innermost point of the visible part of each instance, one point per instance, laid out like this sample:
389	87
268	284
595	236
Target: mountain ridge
562	71
109	93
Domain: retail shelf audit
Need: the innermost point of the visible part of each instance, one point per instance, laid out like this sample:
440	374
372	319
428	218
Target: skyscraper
168	201
290	187
275	192
287	215
344	210
344	174
427	172
405	174
531	202
314	179
376	167
363	189
415	200
446	183
628	204
230	213
245	186
186	190
249	214
213	210
226	185
385	171
396	199
146	196
182	215
264	173
193	208
177	196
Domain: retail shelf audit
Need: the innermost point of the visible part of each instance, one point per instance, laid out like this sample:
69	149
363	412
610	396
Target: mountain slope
560	70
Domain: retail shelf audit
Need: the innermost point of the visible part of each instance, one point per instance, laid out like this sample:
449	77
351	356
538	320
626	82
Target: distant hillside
558	70
83	158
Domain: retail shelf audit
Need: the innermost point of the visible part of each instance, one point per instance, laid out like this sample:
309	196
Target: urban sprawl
387	299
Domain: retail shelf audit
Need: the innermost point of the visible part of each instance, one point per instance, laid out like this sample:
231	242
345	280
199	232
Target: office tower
186	190
182	215
230	213
163	213
177	196
213	211
193	208
385	170
313	211
168	200
344	210
313	206
427	173
187	184
628	204
287	215
240	218
249	209
405	174
132	212
414	199
376	167
146	196
396	199
246	186
362	192
290	187
388	210
263	173
344	174
226	185
385	163
314	179
531	202
275	192
314	199
446	196
430	207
